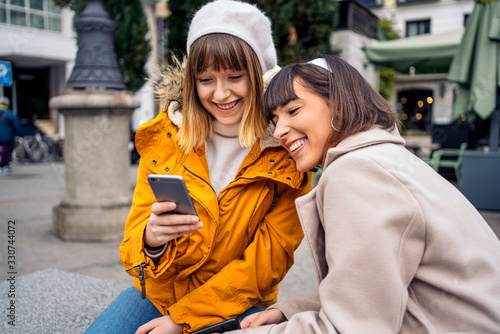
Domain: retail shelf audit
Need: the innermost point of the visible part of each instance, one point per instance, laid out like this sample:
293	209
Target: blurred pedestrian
9	129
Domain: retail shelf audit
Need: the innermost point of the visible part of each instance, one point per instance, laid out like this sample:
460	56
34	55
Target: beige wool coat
396	248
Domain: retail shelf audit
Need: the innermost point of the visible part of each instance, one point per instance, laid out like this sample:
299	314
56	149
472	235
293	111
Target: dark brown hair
221	52
355	106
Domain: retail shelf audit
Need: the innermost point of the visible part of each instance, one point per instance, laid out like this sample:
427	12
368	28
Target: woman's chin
304	167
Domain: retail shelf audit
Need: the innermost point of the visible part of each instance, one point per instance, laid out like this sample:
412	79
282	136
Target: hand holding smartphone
164	223
172	188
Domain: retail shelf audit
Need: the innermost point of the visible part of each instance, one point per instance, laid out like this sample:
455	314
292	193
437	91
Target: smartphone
172	188
221	327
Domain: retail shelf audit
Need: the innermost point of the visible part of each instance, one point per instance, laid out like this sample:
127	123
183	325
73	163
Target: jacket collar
374	136
169	92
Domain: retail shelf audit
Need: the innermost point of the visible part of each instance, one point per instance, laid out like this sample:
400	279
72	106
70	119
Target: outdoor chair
437	160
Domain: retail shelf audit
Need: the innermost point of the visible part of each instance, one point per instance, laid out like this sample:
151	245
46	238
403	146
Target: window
414	28
38	14
416	110
466	19
3	15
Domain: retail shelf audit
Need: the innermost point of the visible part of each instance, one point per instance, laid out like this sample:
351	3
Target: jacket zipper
218	201
139	269
142	280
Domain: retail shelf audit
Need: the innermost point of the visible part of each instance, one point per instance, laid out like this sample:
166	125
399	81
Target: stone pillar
96	109
97	164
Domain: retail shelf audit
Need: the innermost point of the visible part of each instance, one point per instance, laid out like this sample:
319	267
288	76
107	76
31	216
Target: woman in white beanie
226	262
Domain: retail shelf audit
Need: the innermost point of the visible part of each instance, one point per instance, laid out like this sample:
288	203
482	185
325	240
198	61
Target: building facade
39	42
423	100
357	29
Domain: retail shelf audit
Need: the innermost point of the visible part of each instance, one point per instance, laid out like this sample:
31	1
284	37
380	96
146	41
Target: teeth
297	144
227	106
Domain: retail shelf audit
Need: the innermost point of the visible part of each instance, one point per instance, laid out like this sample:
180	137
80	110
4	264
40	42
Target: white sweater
224	155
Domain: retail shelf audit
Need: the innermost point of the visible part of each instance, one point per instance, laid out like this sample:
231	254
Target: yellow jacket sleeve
132	247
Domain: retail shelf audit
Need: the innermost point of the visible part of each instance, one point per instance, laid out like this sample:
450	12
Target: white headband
321	62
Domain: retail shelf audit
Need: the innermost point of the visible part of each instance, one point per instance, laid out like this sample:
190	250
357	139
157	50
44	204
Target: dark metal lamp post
95	64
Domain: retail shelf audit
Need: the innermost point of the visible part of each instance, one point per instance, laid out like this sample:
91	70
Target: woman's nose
221	91
281	129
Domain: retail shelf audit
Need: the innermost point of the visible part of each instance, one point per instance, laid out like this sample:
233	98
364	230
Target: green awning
428	53
476	66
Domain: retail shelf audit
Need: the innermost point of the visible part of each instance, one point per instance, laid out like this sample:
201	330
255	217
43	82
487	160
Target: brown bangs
218	51
279	92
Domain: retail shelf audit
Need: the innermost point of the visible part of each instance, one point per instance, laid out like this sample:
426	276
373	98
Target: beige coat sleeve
293	305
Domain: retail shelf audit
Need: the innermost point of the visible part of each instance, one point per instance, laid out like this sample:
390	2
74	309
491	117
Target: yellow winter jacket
246	245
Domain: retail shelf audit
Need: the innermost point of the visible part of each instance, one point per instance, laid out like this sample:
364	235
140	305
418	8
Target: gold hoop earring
334	128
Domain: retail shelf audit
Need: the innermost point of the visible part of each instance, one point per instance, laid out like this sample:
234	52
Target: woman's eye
293	110
235	77
203	79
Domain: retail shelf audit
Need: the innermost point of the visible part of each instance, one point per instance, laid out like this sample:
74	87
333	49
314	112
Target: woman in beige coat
396	247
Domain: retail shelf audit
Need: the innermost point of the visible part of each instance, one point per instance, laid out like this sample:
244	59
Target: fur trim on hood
169	89
169	93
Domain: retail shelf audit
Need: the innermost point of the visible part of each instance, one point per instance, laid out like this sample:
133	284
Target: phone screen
172	188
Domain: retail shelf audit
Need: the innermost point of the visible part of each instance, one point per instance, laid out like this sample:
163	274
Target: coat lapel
313	231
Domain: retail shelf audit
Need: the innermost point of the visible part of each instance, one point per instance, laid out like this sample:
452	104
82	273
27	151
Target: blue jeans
129	312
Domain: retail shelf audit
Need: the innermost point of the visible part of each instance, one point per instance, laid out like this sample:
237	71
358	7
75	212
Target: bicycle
37	148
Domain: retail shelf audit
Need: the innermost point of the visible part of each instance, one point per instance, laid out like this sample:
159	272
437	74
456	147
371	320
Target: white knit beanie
238	19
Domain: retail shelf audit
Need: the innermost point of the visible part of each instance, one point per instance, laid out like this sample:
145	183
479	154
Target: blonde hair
220	52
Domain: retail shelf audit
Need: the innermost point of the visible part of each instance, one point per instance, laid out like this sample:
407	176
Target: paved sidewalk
27	197
49	285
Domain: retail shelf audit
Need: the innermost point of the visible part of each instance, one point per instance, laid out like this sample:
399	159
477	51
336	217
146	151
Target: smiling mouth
227	106
296	145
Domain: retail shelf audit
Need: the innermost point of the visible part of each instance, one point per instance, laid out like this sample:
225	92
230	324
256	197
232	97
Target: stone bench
54	301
